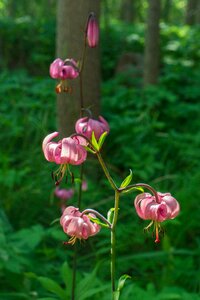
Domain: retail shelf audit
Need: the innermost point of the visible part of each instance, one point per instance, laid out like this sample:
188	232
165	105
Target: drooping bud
92	31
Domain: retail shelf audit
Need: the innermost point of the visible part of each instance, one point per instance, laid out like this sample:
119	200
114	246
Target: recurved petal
105	123
45	145
172	205
55	68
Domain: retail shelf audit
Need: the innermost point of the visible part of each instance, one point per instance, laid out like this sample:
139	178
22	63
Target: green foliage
154	131
34	54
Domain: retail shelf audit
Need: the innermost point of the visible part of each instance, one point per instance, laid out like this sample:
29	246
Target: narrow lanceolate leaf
127	180
97	221
94	142
136	188
102	139
121	281
89	150
110	214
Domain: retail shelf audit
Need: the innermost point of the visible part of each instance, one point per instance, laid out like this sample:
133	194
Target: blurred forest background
148	91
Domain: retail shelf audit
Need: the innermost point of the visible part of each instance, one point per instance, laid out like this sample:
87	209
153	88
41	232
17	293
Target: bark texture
71	21
191	11
152	55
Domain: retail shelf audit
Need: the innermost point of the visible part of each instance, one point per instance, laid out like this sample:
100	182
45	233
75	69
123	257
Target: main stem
113	242
114	222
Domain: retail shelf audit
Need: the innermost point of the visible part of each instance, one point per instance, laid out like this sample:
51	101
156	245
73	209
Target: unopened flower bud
92	31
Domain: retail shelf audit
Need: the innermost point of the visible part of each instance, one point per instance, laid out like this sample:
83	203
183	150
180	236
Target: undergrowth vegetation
154	132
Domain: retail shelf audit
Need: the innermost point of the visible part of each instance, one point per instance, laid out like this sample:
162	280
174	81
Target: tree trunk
151	55
128	11
71	21
167	10
191	10
198	13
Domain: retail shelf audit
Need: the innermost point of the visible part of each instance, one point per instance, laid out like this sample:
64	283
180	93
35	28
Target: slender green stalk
112	183
113	242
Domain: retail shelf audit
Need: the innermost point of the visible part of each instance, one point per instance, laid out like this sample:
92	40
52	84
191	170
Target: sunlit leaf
127	180
102	139
94	142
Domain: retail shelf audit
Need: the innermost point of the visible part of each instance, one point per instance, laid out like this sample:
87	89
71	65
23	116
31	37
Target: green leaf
66	275
133	189
52	286
127	180
110	214
121	281
102	139
97	221
89	150
94	142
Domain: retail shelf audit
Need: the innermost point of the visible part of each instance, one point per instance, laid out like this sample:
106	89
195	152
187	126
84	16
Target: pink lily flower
87	125
66	151
148	209
92	31
67	69
77	225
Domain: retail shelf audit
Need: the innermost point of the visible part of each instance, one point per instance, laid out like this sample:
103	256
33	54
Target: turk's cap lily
148	209
66	151
163	208
64	69
78	225
86	126
92	31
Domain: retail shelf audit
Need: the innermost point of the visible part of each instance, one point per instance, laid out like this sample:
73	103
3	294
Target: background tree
71	21
128	11
191	11
151	55
167	10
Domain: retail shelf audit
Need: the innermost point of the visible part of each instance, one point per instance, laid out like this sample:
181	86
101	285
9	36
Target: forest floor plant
89	137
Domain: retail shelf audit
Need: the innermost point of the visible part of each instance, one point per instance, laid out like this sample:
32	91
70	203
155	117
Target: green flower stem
111	181
113	242
114	222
